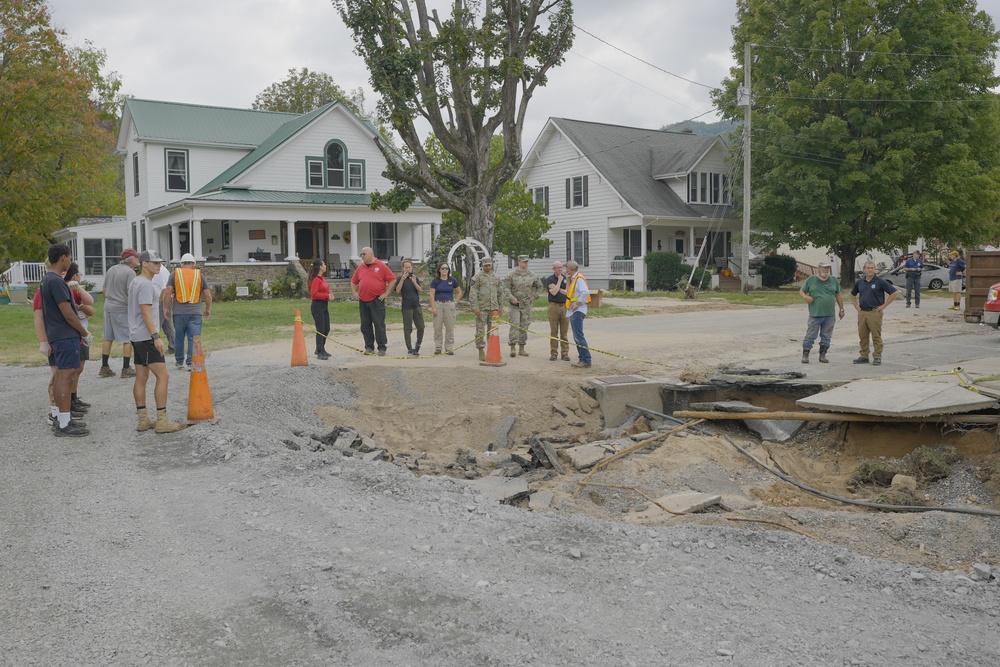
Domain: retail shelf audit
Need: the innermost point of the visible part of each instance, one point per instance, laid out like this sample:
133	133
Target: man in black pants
369	284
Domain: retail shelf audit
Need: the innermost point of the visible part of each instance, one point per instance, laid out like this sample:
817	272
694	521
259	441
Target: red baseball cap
129	252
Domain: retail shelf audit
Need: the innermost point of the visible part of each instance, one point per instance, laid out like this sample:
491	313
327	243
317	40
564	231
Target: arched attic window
336	164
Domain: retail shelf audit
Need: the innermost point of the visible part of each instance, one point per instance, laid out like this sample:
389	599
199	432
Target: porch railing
24	272
622	268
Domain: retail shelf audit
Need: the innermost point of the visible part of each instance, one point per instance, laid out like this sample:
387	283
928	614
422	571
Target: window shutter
569	193
625	237
546	200
585	192
586	234
569	246
649	240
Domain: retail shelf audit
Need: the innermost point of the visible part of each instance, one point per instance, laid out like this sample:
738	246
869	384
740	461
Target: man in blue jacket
871	296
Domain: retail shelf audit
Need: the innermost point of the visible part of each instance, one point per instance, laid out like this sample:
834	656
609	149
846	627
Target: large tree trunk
480	223
847	254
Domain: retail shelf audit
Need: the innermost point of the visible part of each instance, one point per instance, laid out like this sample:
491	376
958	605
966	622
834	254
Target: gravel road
222	545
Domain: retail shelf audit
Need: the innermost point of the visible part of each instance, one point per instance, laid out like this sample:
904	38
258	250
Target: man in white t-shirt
160	281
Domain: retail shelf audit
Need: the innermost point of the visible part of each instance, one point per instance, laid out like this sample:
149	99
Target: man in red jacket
370	286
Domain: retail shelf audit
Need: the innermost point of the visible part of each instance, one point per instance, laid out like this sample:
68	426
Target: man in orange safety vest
183	298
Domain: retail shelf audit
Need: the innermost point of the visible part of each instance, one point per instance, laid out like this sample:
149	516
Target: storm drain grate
621	379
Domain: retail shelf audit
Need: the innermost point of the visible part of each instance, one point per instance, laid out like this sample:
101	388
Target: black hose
817	492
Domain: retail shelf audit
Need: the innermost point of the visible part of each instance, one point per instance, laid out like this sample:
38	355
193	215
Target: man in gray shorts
144	330
116	283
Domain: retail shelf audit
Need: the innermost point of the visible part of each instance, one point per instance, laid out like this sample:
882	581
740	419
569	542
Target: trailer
982	271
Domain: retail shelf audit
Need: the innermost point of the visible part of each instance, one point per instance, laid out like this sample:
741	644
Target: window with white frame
355	175
99	255
135	174
707	187
314	170
335	164
384	239
576	192
177	170
541	196
578	247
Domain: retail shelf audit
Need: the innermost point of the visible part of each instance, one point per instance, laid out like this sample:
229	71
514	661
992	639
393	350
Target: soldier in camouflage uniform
521	287
485	296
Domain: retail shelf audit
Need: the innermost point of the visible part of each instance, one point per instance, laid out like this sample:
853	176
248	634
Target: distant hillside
704	129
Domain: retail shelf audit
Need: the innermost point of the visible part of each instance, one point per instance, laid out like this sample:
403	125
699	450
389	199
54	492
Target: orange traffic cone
299	357
493	357
199	395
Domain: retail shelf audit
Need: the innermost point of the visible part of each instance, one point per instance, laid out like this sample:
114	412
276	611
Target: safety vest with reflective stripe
187	285
572	288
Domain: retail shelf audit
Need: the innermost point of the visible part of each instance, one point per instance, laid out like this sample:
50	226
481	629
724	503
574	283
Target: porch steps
340	288
729	284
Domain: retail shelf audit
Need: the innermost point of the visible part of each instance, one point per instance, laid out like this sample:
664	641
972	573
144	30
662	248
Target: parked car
991	309
933	277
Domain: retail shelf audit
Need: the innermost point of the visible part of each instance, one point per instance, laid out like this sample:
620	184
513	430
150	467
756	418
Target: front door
310	242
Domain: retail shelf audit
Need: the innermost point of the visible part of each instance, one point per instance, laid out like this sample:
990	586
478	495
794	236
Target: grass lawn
232	324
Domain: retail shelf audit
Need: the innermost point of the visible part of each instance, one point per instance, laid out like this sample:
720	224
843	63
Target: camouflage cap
523	258
486	260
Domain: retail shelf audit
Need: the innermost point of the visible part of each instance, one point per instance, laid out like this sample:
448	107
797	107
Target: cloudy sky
224	52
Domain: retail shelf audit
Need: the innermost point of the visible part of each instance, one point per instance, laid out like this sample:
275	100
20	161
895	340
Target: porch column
175	242
355	254
293	253
195	240
640	262
692	250
435	231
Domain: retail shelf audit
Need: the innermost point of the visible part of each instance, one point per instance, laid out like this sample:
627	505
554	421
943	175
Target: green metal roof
284	197
280	135
171	121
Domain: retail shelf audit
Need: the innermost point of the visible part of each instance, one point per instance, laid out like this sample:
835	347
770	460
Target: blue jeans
185	326
576	324
821	326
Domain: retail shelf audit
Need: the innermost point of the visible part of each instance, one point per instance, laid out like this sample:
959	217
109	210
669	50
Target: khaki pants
558	329
870	323
520	320
445	318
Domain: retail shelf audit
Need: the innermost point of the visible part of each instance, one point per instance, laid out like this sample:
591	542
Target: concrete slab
501	489
540	500
612	396
684	503
585	456
899	398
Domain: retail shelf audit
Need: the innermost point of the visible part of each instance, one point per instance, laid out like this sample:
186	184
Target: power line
580	55
783	47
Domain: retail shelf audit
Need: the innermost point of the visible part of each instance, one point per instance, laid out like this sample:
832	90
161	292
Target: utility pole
743	100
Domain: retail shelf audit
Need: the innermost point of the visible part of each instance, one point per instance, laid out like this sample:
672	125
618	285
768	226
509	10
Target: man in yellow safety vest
577	298
185	293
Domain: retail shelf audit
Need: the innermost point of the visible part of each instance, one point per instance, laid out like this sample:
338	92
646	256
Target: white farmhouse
616	193
233	186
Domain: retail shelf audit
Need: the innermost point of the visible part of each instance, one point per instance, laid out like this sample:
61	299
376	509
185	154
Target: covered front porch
699	244
240	234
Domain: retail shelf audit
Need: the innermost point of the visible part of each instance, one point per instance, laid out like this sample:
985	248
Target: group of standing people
62	308
870	295
373	281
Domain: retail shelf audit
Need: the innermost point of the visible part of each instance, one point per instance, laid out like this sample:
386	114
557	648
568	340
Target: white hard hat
187	257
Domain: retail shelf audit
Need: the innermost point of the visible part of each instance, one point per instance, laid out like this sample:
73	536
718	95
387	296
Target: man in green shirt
822	293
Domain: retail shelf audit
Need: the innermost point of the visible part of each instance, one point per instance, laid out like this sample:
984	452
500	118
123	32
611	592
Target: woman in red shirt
319	292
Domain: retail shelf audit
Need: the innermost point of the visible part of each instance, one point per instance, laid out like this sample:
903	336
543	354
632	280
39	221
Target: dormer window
706	187
334	169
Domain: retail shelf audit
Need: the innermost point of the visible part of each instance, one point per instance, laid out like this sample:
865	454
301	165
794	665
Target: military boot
145	423
520	351
513	350
482	354
822	354
164	425
805	356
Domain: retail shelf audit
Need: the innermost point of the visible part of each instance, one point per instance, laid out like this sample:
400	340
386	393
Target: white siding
285	168
204	164
559	160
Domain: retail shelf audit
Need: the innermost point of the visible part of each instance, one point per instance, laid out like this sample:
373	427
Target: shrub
663	270
778	270
876	471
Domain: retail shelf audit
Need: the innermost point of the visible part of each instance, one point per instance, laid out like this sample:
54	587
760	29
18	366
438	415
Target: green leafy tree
520	222
873	122
303	91
52	146
469	76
